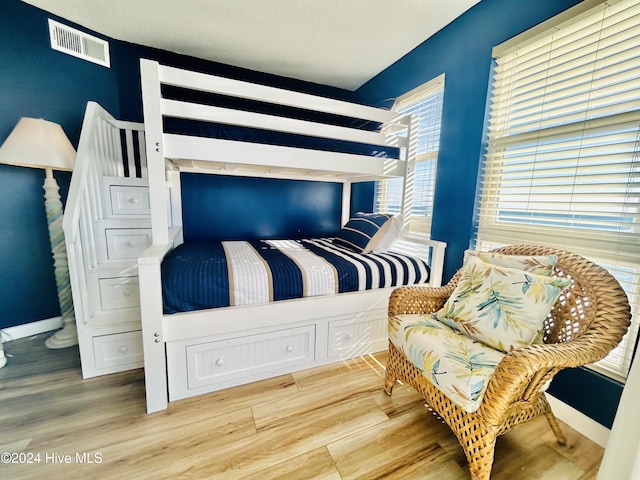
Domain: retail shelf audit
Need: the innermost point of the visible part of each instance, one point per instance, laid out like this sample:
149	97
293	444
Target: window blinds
562	165
425	104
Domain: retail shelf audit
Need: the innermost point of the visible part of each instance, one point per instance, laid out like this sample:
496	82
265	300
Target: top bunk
210	124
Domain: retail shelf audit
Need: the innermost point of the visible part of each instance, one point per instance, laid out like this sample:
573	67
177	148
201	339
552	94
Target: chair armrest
525	371
418	299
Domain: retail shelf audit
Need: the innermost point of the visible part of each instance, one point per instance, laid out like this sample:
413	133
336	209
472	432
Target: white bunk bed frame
191	353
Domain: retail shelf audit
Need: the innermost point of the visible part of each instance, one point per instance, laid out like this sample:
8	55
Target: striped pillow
362	232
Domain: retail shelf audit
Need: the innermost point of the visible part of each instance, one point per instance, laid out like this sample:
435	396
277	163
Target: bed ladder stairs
107	224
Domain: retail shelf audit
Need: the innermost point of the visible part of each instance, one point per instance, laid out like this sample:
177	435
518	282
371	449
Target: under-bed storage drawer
219	361
118	349
357	336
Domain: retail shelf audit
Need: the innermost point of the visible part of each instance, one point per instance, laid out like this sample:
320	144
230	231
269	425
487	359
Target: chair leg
553	423
480	455
389	381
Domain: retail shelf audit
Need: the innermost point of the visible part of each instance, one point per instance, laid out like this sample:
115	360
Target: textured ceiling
342	43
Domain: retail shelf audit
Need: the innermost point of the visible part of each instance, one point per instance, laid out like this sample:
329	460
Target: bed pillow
538	264
391	234
504	308
362	232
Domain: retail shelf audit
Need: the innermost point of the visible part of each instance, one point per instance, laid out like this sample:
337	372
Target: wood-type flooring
331	423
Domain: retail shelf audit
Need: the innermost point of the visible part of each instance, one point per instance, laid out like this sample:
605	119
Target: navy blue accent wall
275	208
591	393
36	81
362	194
462	51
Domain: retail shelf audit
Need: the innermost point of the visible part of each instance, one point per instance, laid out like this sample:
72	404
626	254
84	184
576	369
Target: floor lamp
37	143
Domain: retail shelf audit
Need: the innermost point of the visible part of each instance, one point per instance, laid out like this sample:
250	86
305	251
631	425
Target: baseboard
579	421
30	329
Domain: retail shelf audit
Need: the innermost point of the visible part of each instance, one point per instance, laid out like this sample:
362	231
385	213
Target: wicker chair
579	331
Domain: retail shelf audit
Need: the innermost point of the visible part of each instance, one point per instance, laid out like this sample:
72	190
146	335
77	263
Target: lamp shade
38	143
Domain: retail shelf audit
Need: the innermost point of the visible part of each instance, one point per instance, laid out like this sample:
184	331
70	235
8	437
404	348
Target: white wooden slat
239	89
173	108
143	154
118	153
130	154
85	226
272	156
92	180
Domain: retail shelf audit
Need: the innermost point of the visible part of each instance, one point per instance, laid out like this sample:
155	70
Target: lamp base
67	336
3	358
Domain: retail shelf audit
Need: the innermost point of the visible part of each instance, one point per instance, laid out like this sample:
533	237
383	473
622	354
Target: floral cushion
501	307
458	366
538	264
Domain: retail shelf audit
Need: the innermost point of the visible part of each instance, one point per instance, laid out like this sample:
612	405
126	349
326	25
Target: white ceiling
342	43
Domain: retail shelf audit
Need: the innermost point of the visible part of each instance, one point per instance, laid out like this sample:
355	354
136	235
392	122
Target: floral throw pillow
538	264
504	308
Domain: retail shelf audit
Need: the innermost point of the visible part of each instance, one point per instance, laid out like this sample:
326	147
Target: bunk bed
206	124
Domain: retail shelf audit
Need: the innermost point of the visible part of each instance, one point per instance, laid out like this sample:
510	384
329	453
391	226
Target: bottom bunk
194	352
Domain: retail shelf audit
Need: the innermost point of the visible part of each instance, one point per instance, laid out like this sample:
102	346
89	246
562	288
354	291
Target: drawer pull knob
289	348
127	293
131	243
133	201
123	349
349	336
220	362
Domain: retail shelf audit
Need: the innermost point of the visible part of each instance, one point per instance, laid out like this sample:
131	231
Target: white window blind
562	166
425	104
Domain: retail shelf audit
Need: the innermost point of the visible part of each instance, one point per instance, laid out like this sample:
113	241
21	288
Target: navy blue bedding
197	276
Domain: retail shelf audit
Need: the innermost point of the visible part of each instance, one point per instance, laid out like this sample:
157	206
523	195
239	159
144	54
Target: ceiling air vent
79	44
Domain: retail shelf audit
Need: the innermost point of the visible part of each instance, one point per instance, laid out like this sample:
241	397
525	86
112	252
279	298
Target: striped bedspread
208	275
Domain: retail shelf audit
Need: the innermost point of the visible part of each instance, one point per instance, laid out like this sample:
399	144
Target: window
425	103
562	165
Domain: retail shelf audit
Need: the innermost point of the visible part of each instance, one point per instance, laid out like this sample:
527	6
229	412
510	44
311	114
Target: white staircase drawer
129	200
127	242
118	349
214	362
123	292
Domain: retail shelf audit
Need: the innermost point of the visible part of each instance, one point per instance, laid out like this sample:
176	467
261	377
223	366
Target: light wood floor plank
314	465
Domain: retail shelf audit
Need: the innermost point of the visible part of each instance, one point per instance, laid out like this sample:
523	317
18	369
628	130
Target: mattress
198	276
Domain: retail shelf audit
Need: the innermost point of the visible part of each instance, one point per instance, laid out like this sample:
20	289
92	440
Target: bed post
346	202
437	262
149	261
409	171
151	98
155	362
